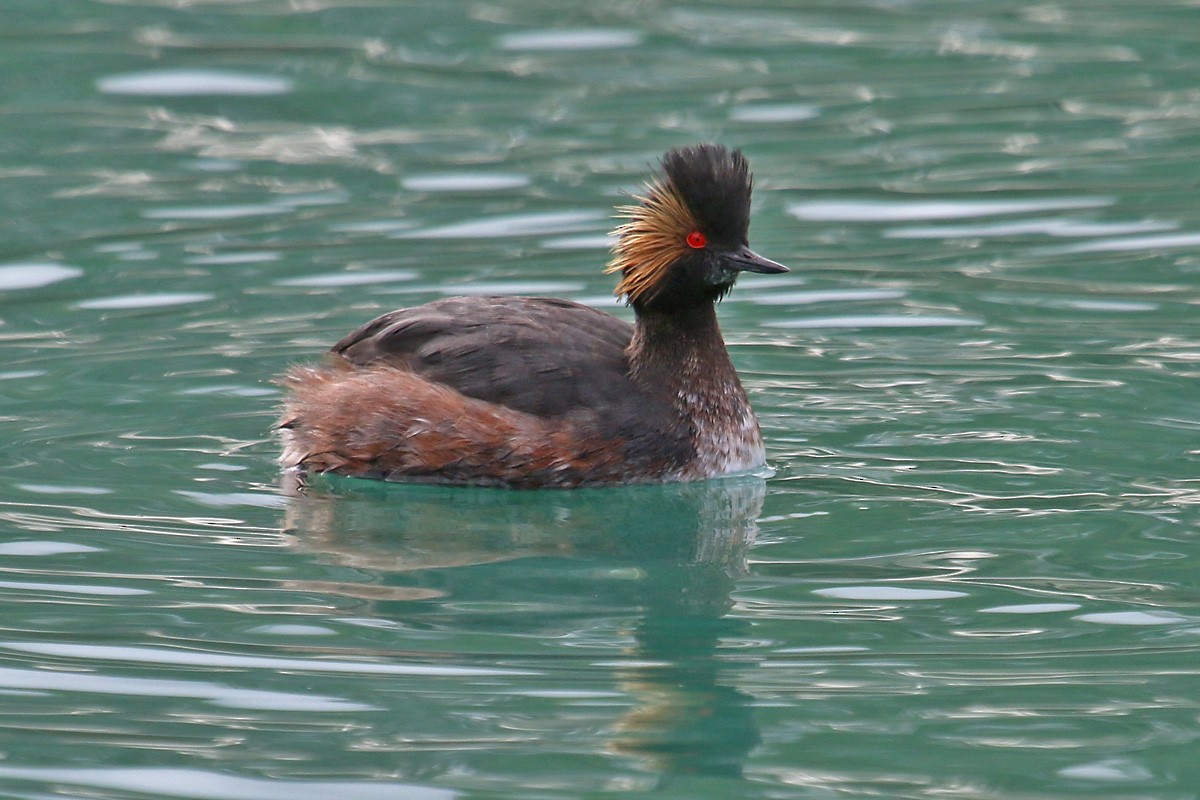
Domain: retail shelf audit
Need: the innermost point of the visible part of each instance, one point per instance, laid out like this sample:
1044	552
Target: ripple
313	199
148	300
1132	618
1126	244
363	278
34	275
514	287
233	499
774	113
772	281
294	630
374	226
1031	608
213	165
219	467
35	548
1118	306
198	784
531	224
194	658
193	82
138	255
463	182
55	488
216	212
875	321
227	390
1075	304
900	210
887	593
824	296
596	242
570	39
1114	770
219	694
218	259
1048	227
93	590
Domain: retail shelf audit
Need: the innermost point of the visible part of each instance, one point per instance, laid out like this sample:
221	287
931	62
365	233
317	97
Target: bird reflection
669	554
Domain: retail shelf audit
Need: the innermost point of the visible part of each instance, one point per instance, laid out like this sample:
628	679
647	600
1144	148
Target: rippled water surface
973	574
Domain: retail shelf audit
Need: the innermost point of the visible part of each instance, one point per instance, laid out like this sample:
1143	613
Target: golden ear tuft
653	238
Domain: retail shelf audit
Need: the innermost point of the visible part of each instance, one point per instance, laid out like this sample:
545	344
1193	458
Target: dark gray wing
539	355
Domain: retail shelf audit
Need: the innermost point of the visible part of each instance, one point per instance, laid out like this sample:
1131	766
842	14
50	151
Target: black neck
695	323
679	349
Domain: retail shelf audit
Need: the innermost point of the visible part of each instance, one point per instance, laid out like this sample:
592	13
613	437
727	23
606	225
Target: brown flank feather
652	240
390	423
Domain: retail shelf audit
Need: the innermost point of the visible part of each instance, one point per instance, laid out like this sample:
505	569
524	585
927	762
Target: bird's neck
679	347
680	358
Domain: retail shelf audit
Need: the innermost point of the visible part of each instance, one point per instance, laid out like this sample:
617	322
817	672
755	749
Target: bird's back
542	356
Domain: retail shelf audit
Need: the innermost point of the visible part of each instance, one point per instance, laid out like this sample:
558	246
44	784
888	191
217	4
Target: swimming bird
530	392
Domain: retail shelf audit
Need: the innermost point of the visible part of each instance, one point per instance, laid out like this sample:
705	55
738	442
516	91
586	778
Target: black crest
715	183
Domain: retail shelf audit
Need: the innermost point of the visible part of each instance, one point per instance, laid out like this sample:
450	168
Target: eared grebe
540	392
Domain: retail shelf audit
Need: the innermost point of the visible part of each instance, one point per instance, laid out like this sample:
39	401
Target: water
972	575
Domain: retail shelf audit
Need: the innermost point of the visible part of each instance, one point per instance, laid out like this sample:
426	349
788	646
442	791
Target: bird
536	392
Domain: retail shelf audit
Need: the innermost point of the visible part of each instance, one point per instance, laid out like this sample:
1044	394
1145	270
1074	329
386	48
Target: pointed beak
746	260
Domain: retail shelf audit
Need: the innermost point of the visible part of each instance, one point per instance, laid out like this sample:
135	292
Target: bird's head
685	242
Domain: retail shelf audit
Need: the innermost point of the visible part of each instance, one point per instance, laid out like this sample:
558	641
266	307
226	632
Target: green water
973	574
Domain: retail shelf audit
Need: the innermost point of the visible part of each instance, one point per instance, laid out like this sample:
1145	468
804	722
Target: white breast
727	437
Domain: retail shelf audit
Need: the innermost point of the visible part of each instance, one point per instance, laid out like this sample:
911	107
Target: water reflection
640	577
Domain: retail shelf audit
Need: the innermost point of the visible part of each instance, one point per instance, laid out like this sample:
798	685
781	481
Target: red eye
696	240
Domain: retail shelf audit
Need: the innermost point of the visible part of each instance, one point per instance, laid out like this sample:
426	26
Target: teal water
972	575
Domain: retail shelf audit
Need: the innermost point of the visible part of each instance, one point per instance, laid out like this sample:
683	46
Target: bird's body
541	392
